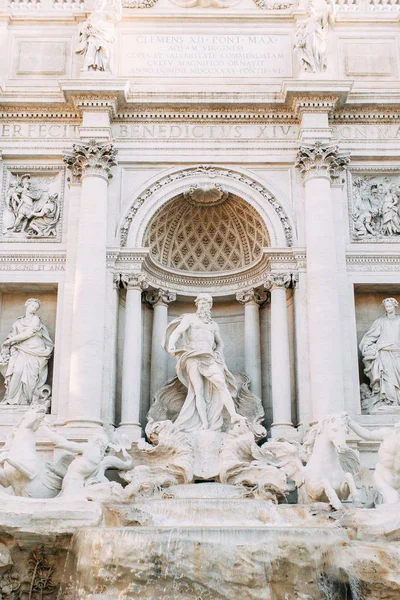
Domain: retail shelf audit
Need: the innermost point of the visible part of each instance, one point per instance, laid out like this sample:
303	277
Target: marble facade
210	158
155	152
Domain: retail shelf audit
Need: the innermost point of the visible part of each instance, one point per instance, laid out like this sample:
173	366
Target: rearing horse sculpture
20	464
328	475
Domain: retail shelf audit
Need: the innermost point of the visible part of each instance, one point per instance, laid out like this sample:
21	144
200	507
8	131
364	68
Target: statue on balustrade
24	357
97	35
196	342
380	349
312	35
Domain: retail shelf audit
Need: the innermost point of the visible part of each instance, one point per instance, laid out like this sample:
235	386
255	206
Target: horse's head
336	429
34	417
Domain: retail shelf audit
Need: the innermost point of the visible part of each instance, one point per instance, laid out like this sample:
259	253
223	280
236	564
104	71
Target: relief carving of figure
380	349
312	35
24	357
97	35
376	210
33	211
196	342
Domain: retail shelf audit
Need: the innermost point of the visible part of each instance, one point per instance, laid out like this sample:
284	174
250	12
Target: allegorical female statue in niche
380	348
24	357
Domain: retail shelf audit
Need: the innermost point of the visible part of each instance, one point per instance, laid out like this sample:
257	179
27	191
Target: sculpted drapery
207	365
24	357
380	348
194	339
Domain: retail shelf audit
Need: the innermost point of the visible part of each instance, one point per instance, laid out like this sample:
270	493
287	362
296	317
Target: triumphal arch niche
216	230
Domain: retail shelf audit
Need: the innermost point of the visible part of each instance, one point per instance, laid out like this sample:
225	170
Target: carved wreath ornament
212	172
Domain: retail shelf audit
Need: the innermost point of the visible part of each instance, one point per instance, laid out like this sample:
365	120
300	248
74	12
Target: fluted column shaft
159	299
277	284
252	337
318	164
91	163
132	358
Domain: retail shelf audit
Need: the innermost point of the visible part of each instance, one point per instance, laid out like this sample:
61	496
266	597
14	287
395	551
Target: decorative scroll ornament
252	295
312	35
160	296
139	3
321	160
91	159
278	280
134	281
279	5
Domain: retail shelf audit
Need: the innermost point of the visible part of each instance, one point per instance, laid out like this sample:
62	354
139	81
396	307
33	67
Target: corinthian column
318	163
159	299
252	340
90	163
134	283
277	284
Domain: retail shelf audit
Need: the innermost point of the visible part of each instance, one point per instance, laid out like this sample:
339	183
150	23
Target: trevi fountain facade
199	288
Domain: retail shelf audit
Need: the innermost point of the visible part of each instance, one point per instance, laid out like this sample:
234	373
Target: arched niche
273	211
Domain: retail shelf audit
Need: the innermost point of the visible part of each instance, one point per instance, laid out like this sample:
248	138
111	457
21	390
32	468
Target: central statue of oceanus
196	342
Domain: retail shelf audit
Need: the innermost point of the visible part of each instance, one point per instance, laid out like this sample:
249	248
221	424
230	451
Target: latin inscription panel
206	56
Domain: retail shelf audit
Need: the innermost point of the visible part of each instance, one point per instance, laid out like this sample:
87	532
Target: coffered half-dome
206	230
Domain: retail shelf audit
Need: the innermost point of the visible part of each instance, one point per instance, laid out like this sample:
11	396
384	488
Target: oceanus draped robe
207	364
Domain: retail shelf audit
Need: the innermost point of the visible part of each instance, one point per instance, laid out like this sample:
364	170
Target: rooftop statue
97	35
312	35
380	349
196	342
24	357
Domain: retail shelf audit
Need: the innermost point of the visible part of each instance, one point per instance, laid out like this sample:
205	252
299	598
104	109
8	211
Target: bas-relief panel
374	206
32	204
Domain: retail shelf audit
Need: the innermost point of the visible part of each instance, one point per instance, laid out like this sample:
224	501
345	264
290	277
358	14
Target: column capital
277	280
251	296
321	160
91	159
160	296
134	281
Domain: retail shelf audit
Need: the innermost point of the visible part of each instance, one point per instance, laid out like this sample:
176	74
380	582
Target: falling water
204	562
